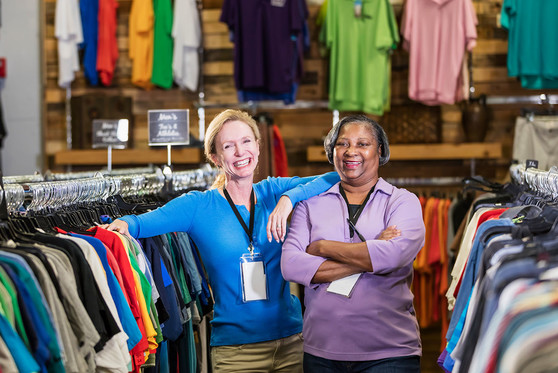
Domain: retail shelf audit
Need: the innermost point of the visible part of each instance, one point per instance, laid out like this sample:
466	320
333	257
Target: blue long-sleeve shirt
212	224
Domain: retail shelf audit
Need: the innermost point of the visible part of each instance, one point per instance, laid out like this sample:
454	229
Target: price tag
110	133
169	127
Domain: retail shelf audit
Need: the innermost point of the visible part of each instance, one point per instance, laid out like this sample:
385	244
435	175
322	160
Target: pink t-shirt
436	33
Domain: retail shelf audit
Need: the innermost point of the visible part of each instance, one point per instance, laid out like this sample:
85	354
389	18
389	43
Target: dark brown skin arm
331	270
344	259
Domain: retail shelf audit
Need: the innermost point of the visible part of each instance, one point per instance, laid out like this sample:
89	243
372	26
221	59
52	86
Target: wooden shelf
422	152
96	157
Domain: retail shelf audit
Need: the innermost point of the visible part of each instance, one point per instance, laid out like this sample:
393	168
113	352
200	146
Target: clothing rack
25	194
426	181
510	235
541	181
200	178
542	99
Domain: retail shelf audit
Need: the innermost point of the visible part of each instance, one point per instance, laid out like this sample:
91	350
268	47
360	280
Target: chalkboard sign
168	127
110	132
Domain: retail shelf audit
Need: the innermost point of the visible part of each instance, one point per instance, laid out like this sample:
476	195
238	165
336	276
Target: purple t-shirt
267	35
378	320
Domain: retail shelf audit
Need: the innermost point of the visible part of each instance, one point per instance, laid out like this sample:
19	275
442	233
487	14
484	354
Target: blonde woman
239	227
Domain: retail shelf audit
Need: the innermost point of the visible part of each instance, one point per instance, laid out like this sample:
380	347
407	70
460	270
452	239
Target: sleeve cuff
312	269
133	224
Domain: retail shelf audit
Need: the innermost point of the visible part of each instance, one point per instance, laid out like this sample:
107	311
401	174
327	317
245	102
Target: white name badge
344	286
254	283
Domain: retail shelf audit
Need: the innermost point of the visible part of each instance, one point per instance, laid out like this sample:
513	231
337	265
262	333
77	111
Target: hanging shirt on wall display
187	39
436	33
163	44
532	39
89	10
360	50
68	31
268	38
107	48
141	42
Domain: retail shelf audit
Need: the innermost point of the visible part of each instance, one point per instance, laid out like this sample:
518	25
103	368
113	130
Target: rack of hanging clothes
76	297
504	284
444	206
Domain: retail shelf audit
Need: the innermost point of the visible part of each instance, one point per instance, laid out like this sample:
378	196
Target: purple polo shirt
267	35
378	320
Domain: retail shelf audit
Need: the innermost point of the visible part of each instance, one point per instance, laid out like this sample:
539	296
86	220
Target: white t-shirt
187	38
68	31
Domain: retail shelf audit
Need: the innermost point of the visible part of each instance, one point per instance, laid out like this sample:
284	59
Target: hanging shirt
141	42
113	242
47	352
23	359
187	39
7	361
107	52
18	322
268	43
532	38
82	324
172	327
73	360
279	153
123	308
68	31
89	10
360	50
32	337
114	356
163	44
86	286
143	290
436	33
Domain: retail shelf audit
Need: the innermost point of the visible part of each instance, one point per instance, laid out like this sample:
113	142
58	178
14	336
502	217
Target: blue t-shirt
22	358
213	226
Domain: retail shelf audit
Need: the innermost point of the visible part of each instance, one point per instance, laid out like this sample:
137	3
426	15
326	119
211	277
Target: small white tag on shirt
278	3
344	286
253	281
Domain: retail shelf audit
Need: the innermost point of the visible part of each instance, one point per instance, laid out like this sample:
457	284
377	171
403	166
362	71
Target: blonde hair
213	130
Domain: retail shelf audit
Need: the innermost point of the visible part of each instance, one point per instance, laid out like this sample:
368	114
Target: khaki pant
279	355
536	139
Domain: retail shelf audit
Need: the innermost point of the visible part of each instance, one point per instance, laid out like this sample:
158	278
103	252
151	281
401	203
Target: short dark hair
377	131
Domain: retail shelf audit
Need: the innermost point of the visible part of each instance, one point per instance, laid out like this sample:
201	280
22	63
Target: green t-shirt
163	44
360	50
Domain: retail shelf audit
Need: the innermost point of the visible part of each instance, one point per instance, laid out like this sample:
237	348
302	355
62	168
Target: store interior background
35	109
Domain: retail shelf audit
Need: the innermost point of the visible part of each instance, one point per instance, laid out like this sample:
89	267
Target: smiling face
236	150
356	155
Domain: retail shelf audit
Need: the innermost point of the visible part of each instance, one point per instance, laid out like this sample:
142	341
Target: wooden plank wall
54	127
300	128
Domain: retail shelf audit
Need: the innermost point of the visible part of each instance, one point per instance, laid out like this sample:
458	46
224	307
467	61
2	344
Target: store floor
431	339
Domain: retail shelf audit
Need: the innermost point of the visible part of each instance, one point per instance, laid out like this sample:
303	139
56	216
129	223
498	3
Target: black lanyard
352	220
249	231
